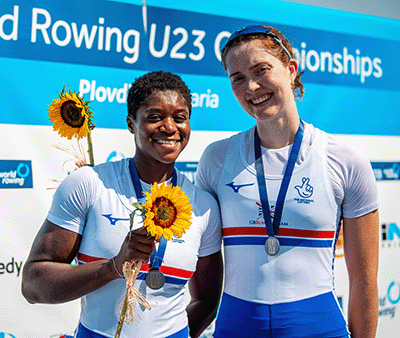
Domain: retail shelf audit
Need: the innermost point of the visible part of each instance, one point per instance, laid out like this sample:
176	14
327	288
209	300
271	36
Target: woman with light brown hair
284	187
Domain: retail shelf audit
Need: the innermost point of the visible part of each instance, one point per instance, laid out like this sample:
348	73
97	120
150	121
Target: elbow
28	294
362	279
30	285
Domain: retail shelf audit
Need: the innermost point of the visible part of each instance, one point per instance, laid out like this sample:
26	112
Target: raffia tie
130	271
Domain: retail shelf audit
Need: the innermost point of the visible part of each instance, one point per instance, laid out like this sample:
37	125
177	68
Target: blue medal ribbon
273	228
158	255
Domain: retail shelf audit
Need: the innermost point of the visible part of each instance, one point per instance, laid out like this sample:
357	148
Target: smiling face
161	128
261	83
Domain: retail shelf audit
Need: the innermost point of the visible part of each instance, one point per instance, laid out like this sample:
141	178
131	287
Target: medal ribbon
158	255
273	228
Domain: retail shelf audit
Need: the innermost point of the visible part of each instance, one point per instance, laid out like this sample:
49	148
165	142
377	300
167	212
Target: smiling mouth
168	142
261	99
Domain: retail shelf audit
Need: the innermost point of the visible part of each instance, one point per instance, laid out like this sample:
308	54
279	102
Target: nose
252	85
169	125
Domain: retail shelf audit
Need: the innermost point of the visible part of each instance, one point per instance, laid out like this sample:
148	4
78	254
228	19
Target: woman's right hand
137	246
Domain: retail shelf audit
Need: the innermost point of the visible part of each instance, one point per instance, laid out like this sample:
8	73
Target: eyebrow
157	110
251	68
234	74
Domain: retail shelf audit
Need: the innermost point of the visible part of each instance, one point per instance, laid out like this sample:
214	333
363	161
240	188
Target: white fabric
350	172
96	202
339	178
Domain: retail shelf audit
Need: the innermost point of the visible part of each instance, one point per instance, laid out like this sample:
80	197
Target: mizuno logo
238	186
114	220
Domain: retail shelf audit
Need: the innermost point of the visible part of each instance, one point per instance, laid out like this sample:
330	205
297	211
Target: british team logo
261	212
260	219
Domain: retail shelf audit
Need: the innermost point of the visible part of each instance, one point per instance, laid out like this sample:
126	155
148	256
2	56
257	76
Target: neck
278	133
151	172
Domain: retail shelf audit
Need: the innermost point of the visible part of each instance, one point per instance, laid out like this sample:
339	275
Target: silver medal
155	279
272	246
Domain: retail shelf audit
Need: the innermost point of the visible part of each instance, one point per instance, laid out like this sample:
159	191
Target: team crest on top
305	191
260	219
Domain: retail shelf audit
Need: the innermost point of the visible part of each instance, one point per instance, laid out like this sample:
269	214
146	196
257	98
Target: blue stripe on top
284	241
168	279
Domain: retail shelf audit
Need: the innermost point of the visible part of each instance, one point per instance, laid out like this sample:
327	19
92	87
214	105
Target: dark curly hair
273	47
157	80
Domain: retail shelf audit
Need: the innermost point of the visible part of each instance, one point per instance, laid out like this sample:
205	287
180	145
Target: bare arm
205	290
48	276
361	249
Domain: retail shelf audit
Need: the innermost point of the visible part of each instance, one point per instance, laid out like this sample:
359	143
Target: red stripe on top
244	231
86	258
262	231
168	270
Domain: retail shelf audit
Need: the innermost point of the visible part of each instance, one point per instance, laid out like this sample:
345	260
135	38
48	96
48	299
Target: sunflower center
72	115
164	211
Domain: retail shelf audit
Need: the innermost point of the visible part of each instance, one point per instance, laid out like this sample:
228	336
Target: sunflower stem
90	147
130	277
122	317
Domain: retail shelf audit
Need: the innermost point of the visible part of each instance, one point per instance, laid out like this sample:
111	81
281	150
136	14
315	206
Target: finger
145	237
142	257
146	249
141	232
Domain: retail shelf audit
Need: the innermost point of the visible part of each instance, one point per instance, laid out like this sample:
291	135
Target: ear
293	66
131	124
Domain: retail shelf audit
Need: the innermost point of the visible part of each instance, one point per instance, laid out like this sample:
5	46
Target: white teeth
166	141
262	99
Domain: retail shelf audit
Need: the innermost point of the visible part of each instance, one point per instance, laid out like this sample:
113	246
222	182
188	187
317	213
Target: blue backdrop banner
100	47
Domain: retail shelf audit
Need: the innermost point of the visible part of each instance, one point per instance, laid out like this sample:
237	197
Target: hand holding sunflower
165	213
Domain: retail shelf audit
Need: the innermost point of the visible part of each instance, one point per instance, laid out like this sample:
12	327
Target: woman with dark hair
90	217
284	189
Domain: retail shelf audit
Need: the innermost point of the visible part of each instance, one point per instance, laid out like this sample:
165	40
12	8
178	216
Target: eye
237	80
154	117
261	70
180	118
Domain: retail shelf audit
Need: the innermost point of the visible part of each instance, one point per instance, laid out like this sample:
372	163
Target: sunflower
167	211
71	116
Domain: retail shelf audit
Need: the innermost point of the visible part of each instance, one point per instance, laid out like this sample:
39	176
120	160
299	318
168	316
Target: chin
262	116
168	159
